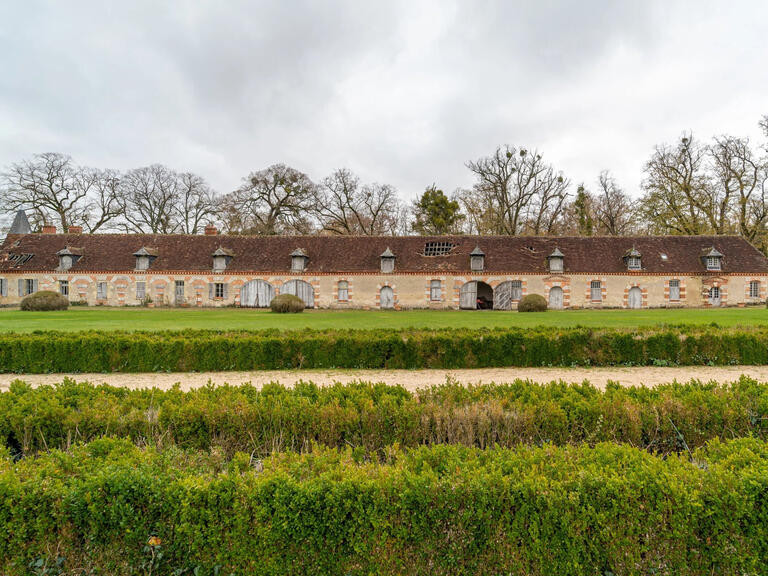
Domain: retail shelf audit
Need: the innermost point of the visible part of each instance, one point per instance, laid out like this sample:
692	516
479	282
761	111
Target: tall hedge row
45	352
111	508
370	417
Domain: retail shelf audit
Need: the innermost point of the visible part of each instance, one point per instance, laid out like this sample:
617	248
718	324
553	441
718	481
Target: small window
555	264
754	289
596	291
141	290
387	265
438	248
674	290
219	290
435	291
142	262
634	263
64	287
101	291
664	257
66	262
3	287
343	291
297	264
713	263
219	263
477	263
28	286
517	290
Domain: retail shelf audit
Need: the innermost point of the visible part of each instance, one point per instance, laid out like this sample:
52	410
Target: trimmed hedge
287	304
371	417
532	303
44	301
111	508
44	352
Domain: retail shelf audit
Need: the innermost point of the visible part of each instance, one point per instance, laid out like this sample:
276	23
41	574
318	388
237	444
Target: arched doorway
476	295
256	294
635	298
386	298
714	296
556	298
301	289
506	294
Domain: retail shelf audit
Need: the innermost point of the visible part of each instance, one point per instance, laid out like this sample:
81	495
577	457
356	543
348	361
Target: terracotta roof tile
329	254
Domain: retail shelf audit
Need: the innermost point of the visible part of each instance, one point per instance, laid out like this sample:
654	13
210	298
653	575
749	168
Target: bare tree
104	206
678	193
516	193
613	208
276	200
741	177
197	203
344	206
51	187
149	197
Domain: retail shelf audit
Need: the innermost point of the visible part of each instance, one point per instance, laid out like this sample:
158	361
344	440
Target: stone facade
363	290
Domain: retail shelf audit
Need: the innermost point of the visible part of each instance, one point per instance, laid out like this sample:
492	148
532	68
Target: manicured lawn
75	319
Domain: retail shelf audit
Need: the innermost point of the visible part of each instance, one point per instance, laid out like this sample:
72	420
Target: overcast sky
401	92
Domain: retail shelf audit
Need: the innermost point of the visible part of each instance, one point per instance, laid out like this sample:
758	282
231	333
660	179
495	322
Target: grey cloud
401	92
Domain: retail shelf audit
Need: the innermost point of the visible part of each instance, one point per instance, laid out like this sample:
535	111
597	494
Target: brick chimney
75	229
49	229
211	230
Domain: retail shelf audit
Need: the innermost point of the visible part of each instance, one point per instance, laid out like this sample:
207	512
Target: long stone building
467	272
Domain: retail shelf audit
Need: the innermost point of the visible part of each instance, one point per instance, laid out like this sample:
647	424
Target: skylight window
664	257
19	259
438	248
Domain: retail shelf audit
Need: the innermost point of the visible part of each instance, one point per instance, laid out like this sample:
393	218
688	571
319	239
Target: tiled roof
360	254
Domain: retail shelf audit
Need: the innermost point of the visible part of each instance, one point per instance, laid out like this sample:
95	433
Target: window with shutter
3	287
64	287
517	290
754	289
674	290
141	290
101	290
343	291
435	290
596	291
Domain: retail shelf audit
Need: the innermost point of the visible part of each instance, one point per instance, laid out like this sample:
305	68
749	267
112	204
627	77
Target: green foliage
204	351
436	214
532	303
110	508
370	417
287	304
44	301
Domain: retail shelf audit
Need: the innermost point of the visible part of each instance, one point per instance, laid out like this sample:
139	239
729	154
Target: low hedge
370	417
43	352
111	508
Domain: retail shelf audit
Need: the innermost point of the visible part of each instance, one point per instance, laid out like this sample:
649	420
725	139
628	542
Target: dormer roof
387	253
477	252
144	251
712	252
70	251
223	252
299	252
556	253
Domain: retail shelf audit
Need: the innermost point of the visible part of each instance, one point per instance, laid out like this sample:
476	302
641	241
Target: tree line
689	187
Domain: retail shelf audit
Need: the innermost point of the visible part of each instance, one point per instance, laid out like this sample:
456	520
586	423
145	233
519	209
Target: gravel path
411	379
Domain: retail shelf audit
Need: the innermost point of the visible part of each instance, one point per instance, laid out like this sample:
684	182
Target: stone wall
410	290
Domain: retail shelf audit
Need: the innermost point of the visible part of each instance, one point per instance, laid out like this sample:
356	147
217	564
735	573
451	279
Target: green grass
77	319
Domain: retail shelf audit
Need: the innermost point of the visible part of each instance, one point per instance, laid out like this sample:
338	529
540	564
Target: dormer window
713	259
387	261
634	259
221	259
298	260
144	258
68	257
477	260
555	261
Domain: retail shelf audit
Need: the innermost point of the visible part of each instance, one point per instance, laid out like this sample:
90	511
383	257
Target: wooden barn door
301	289
468	296
387	298
257	294
556	298
635	299
503	296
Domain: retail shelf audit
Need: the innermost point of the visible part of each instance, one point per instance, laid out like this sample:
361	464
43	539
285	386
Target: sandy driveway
411	379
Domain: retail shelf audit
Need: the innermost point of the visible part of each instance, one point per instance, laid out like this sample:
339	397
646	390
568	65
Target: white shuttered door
301	289
257	294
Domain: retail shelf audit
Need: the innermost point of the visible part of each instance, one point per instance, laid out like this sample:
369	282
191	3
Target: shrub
287	304
208	350
374	416
44	301
111	508
532	303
